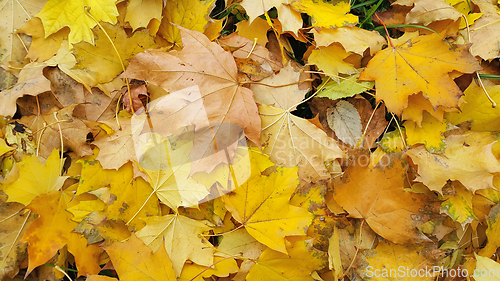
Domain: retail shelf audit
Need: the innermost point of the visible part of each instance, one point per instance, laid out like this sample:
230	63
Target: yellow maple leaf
57	14
41	48
421	64
417	104
492	232
457	203
99	59
182	239
266	212
466	158
191	14
222	268
326	14
255	30
331	60
52	230
133	261
302	259
477	109
430	132
387	258
35	179
140	12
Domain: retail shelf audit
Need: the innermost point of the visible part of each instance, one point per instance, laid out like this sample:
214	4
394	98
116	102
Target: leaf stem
87	9
386	31
62	144
278	86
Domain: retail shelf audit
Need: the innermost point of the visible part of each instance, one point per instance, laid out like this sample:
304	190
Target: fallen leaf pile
249	140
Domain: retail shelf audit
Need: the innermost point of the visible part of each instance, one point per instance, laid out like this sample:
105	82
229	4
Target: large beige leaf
290	140
212	69
182	239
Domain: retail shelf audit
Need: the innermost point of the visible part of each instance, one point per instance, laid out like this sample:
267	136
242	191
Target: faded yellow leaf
283	97
41	48
240	243
428	11
484	36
